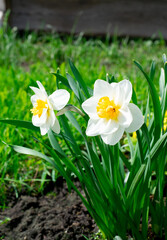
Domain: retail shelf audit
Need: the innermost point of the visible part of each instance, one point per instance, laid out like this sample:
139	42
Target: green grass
32	57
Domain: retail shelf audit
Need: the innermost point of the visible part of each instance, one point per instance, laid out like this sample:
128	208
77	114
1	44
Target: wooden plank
138	18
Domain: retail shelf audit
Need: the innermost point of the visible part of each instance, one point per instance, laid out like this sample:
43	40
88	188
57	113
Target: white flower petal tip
41	87
126	90
110	111
138	119
44	106
100	87
114	137
56	127
59	99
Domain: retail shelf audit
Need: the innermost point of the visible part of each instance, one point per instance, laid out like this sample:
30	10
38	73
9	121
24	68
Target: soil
59	215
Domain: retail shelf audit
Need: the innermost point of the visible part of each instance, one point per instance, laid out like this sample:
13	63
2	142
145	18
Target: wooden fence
134	18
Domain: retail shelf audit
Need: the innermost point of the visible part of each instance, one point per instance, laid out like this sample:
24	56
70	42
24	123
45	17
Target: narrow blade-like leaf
79	79
156	103
20	123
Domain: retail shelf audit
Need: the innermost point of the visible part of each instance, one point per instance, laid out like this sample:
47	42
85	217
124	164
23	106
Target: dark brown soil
59	215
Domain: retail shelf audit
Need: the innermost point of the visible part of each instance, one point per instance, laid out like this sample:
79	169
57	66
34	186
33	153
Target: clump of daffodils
111	112
112	183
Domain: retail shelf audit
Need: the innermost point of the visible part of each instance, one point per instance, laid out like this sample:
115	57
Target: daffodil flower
44	106
111	112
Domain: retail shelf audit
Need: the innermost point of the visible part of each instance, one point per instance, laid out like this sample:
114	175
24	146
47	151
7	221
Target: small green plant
123	195
7	219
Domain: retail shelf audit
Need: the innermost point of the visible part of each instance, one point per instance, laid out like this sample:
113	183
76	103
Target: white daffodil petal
59	99
108	126
39	94
51	118
41	87
89	106
56	126
101	88
112	91
126	90
117	94
125	117
122	92
44	129
34	98
93	127
113	138
36	90
138	119
39	121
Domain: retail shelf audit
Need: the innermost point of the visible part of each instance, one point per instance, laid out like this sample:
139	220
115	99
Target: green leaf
147	112
125	160
72	167
146	134
70	107
165	68
156	104
104	182
29	151
152	71
145	215
65	160
74	122
62	79
54	143
79	79
140	148
132	151
156	149
90	90
134	97
164	103
20	123
68	133
55	164
106	156
148	141
135	181
74	85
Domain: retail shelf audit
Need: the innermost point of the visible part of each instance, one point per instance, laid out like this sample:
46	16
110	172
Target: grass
30	57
